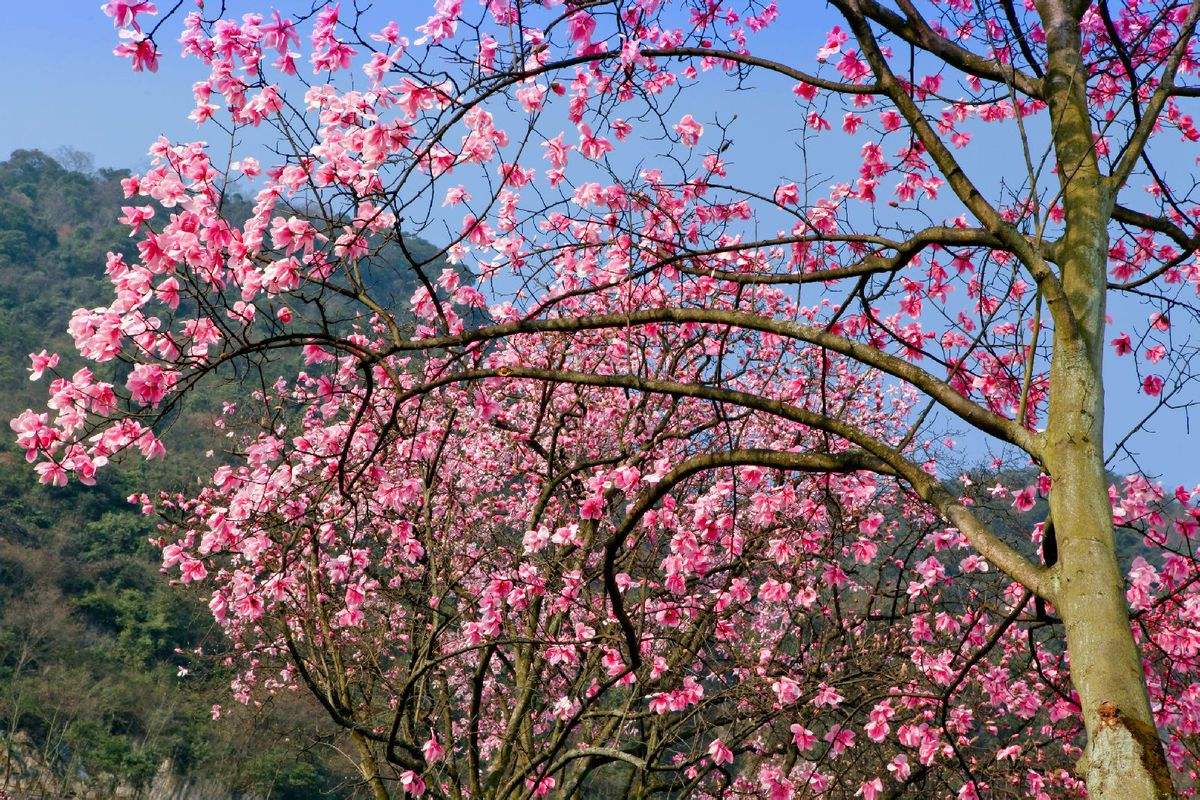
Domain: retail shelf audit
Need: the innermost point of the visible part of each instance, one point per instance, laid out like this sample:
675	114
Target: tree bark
1124	757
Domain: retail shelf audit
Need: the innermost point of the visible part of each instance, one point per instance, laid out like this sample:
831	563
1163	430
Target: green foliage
92	636
104	752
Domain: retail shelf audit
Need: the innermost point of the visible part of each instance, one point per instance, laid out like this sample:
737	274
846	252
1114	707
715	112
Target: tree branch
1004	556
1005	429
1133	148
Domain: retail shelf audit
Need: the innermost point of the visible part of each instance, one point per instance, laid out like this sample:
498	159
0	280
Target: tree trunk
1124	758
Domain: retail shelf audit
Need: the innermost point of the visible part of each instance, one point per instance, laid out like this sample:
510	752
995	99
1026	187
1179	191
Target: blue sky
67	89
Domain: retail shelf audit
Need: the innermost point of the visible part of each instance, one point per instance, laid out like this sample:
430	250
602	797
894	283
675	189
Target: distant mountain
57	224
93	640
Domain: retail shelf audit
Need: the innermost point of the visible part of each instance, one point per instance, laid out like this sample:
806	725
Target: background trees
92	638
619	309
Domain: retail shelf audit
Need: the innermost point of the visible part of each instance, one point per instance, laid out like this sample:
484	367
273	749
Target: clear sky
67	90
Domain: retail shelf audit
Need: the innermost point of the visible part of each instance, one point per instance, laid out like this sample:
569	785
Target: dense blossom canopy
630	495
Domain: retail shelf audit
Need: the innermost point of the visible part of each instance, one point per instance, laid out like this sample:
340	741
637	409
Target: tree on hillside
652	526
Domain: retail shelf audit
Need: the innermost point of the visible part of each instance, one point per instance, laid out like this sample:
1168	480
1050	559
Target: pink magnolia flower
135	217
1024	499
840	739
280	33
433	751
412	783
124	12
786	690
592	146
870	790
40	362
592	508
720	752
803	737
148	384
899	767
139	50
870	524
689	130
581	25
192	570
863	550
826	696
52	473
485	406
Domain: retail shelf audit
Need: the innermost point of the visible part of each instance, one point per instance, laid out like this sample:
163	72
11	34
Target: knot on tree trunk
1125	760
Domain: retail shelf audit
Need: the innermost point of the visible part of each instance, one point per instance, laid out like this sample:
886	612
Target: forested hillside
108	674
